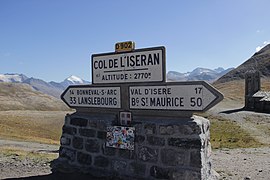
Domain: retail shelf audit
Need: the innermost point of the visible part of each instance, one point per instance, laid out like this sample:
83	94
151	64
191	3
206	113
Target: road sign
124	46
93	97
181	96
141	65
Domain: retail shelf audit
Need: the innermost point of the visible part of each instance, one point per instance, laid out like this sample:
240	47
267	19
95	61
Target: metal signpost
134	80
141	65
92	97
181	96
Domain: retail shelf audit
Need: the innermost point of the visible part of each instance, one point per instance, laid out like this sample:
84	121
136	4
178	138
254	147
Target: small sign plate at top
124	46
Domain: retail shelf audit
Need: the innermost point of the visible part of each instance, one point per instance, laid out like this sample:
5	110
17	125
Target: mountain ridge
52	88
259	61
198	74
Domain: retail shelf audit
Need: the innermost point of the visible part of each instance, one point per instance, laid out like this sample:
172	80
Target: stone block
178	175
139	139
156	141
126	154
185	143
92	123
87	132
159	172
194	175
77	142
101	125
150	128
67	153
79	122
138	169
172	157
147	154
119	166
108	150
196	159
101	161
92	145
84	159
69	130
65	141
166	130
102	135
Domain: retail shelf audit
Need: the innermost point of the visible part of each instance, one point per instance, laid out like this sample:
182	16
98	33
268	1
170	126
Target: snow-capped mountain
51	88
198	74
12	77
73	80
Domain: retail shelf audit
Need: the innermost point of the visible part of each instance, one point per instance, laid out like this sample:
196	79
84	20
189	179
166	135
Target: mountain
73	80
259	61
198	74
12	77
51	88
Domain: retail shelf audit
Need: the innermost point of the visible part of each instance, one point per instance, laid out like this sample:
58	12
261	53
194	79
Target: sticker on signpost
120	137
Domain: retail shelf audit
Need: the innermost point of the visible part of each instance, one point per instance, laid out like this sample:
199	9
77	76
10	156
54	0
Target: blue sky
53	39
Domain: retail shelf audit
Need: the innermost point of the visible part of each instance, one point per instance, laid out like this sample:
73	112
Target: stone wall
165	148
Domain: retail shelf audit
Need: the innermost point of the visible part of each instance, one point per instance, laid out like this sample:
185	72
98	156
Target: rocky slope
259	61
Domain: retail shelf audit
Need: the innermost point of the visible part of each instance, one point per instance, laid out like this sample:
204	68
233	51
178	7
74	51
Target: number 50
195	102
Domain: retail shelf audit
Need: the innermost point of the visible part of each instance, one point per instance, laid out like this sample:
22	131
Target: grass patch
36	126
227	134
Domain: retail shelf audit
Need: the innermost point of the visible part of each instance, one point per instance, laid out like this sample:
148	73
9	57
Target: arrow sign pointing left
93	97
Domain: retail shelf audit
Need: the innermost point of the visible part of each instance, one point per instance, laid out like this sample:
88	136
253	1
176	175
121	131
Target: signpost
141	65
92	97
181	96
134	81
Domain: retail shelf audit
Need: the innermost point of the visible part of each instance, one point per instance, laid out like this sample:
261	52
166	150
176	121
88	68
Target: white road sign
88	96
141	65
187	96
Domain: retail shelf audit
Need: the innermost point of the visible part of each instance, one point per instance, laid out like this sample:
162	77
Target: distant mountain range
51	88
198	74
55	89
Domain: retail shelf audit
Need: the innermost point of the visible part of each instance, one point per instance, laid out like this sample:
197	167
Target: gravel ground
252	163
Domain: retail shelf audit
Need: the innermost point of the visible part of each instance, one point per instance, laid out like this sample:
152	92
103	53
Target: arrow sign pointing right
179	96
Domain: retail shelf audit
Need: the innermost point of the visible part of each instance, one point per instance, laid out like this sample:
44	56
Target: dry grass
17	96
235	90
228	134
36	126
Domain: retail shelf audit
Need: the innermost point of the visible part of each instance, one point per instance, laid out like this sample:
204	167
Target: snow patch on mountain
12	78
74	79
198	74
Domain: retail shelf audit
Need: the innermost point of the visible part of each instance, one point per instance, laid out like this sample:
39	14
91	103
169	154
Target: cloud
262	46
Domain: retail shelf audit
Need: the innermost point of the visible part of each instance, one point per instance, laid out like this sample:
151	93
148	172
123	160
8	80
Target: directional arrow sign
181	96
93	97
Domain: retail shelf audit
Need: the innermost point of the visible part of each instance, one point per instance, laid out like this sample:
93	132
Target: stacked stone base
165	148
